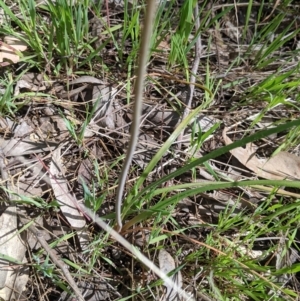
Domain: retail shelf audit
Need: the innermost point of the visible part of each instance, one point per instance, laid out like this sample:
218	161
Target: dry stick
137	110
193	71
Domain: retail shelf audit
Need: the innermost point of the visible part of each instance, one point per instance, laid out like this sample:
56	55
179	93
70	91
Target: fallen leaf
9	49
25	141
31	81
167	264
281	166
16	147
12	249
104	116
145	150
67	201
16	43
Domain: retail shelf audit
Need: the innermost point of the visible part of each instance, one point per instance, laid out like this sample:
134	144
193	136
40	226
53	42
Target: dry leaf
104	116
68	203
160	115
32	82
85	171
17	147
16	43
11	282
281	166
167	264
18	144
9	49
145	150
7	53
53	127
32	182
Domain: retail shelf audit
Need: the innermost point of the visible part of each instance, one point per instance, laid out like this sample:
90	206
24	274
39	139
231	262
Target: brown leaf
16	147
32	82
12	280
145	150
167	264
67	201
281	166
12	246
9	49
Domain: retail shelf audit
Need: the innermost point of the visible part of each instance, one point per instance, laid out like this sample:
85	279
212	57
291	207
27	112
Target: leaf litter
10	49
43	160
282	165
167	265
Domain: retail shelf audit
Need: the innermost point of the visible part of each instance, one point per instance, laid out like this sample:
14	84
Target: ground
212	194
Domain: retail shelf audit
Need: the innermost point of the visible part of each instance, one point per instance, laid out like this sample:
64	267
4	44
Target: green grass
214	252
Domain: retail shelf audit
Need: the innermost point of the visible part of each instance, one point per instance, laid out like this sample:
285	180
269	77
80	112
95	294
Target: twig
137	110
194	70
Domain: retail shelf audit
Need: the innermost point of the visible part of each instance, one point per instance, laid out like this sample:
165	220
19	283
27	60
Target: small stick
137	110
